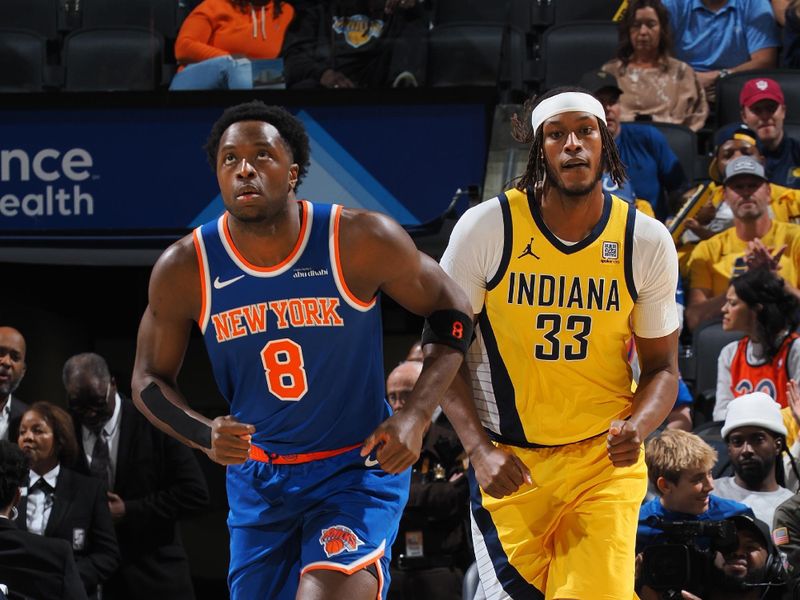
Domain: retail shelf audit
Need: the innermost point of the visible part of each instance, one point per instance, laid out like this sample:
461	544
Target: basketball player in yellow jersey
560	279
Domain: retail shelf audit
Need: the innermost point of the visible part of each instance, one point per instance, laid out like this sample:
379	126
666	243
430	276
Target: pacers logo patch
338	539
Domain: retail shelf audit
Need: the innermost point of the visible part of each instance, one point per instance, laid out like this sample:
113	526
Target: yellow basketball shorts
572	534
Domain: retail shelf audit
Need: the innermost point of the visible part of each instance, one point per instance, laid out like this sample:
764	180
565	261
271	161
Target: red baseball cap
761	88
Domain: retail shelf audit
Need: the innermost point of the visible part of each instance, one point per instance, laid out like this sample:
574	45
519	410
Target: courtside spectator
679	467
220	37
764	111
431	550
759	305
719	37
355	43
655	85
756	437
12	370
756	240
31	566
653	169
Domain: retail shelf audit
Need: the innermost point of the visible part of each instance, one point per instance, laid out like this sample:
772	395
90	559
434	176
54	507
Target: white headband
566	102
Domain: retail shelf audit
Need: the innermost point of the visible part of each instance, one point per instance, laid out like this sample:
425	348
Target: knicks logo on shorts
338	539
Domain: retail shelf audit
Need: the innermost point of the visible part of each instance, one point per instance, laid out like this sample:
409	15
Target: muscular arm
499	473
174	301
378	255
655	395
765	58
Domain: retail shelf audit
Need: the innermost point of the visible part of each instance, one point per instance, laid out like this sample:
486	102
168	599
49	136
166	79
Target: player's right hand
230	441
499	472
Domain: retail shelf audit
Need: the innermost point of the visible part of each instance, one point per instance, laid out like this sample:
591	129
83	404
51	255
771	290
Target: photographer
679	467
752	569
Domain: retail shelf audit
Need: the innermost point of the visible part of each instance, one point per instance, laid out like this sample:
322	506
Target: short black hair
13	472
290	127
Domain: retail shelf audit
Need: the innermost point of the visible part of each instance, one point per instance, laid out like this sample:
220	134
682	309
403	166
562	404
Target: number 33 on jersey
554	327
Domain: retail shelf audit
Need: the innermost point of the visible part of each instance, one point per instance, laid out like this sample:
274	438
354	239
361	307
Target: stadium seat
683	143
728	92
22	61
156	15
471	11
571	49
113	59
707	342
587	10
40	16
465	55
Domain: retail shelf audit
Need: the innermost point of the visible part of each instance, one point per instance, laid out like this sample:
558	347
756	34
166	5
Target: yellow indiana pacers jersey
554	328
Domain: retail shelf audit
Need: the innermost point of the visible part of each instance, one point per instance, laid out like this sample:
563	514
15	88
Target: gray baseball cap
744	165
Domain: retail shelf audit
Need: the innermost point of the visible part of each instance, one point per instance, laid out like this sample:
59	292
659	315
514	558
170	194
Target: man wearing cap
756	437
653	169
756	239
720	37
753	568
764	111
732	141
561	275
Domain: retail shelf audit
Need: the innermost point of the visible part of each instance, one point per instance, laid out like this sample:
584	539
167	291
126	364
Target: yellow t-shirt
718	259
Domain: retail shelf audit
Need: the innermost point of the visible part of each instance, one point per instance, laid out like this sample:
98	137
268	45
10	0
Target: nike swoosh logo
218	285
370	462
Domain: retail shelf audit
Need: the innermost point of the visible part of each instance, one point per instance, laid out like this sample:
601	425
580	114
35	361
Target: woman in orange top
758	304
220	37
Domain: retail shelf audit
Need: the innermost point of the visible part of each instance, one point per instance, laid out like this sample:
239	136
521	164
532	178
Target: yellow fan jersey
552	364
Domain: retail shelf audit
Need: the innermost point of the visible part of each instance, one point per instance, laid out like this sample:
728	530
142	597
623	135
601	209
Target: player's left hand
398	439
623	443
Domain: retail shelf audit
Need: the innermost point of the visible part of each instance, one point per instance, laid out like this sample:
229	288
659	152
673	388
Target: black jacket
80	516
160	482
354	37
37	566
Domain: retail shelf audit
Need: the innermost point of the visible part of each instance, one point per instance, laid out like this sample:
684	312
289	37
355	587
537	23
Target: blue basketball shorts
339	513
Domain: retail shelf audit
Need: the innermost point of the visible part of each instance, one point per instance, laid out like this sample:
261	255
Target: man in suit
152	479
30	564
12	370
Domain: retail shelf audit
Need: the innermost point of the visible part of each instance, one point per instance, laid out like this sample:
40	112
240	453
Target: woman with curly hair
758	304
61	503
655	85
219	38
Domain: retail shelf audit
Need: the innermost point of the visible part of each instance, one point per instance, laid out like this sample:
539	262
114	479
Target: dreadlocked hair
522	131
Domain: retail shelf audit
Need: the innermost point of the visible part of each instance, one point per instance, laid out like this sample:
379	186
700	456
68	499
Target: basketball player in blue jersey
560	276
285	294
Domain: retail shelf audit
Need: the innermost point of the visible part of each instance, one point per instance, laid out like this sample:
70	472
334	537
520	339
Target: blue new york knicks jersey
293	351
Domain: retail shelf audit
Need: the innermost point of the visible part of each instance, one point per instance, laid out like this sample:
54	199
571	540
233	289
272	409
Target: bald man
401	381
12	370
431	552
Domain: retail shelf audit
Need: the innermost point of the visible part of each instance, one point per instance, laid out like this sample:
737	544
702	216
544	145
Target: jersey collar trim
595	233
